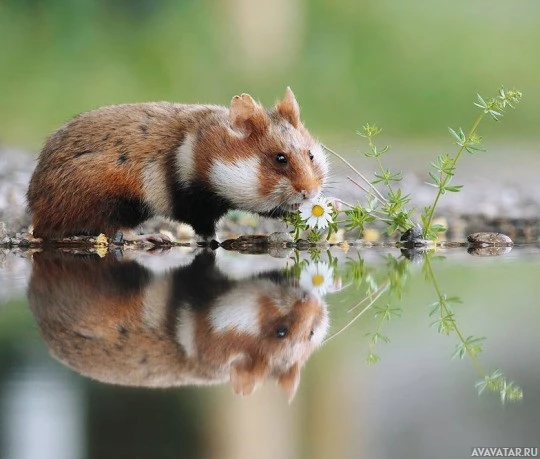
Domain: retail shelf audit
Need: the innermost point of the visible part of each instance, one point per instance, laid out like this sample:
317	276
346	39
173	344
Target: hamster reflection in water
120	323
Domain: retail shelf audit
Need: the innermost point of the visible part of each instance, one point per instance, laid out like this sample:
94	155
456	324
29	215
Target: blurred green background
412	67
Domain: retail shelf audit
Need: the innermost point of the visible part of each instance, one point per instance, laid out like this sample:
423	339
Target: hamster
120	323
114	167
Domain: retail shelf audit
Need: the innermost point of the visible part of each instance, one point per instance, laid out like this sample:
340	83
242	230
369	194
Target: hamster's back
89	174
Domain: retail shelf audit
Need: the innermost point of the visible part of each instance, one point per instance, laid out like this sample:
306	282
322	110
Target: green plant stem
377	332
442	302
379	162
444	182
378	159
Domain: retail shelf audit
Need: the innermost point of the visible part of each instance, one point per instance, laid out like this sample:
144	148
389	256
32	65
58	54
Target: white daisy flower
317	213
317	277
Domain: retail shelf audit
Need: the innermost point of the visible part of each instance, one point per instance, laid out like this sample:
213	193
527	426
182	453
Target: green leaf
495	114
471	149
453	300
376	336
481	102
438	228
453	188
491	382
372	358
460	138
435	178
460	351
369	130
445	324
435	307
386	313
471	345
511	392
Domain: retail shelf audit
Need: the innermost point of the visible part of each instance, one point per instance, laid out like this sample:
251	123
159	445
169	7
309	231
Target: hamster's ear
289	381
247	115
288	108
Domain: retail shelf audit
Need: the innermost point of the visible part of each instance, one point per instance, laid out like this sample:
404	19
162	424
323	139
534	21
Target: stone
303	244
279	252
491	251
483	239
279	238
413	238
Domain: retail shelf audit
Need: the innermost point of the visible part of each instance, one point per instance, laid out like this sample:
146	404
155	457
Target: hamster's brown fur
116	166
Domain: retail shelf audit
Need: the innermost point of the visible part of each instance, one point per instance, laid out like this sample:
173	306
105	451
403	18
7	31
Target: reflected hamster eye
310	155
281	158
281	332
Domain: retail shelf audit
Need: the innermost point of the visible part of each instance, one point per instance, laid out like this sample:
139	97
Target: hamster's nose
310	194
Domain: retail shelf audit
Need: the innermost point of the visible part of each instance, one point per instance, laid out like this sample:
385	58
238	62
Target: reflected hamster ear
288	108
289	381
245	378
247	115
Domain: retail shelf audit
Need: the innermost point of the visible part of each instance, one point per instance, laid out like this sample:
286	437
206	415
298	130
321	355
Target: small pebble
337	237
415	254
493	251
228	244
252	240
413	238
303	244
344	246
451	244
371	235
279	238
213	244
118	238
362	243
489	239
279	252
246	244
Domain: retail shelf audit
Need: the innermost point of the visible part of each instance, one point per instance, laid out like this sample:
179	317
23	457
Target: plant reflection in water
382	291
120	322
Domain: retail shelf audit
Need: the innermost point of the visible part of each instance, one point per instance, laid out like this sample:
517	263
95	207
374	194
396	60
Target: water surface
147	354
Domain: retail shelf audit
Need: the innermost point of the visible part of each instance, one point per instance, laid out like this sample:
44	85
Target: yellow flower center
317	279
317	210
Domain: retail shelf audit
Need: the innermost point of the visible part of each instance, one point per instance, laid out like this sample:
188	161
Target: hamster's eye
281	158
310	155
281	332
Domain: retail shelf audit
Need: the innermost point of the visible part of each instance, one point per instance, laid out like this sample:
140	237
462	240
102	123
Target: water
145	354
